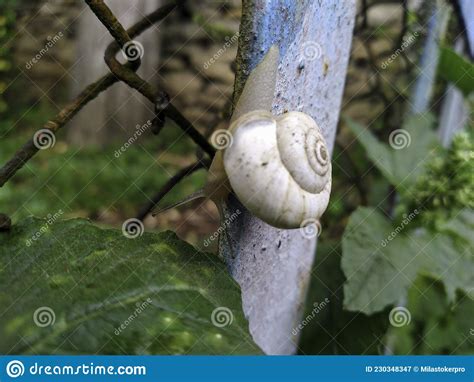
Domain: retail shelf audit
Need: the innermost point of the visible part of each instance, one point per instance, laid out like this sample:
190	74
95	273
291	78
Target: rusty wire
125	73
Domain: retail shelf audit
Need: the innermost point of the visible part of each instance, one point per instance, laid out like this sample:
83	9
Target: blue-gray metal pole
273	266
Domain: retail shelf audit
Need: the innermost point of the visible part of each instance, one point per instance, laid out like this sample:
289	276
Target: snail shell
279	167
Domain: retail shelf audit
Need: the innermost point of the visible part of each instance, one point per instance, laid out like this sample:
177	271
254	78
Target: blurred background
49	50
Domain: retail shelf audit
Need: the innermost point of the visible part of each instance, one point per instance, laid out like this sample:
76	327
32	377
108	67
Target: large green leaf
380	270
112	295
456	69
377	275
329	328
404	160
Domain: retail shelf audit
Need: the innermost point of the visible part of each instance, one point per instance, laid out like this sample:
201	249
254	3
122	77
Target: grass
91	181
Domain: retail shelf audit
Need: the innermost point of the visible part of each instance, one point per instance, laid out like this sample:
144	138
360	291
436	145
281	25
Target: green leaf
329	328
112	295
377	274
402	162
381	261
450	254
457	70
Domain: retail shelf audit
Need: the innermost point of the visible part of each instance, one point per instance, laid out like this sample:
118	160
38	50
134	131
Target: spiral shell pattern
280	167
303	151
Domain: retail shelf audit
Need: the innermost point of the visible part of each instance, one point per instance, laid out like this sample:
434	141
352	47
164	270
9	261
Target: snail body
278	166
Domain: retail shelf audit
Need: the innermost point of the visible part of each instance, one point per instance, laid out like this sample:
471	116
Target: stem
169	185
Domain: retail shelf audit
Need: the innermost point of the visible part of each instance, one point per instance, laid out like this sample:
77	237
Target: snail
277	166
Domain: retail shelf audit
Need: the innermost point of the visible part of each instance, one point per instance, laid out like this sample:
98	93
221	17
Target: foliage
437	327
429	237
331	328
7	30
388	256
381	261
403	164
94	280
392	255
447	185
457	70
90	180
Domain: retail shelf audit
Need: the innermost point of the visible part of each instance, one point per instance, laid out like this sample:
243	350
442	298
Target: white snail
278	167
